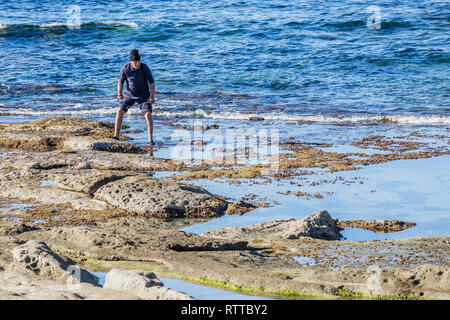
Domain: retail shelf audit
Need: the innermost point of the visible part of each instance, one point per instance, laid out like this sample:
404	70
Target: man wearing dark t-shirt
138	77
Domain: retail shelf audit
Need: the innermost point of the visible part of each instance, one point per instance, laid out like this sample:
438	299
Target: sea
349	69
315	60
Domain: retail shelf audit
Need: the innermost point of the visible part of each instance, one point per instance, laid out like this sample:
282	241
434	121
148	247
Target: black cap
134	55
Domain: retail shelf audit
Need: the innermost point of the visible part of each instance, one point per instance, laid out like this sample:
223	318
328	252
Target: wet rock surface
102	201
240	208
262	266
379	225
319	225
36	256
86	181
15	229
34	260
87	171
144	285
160	197
104	144
132	240
50	133
20	286
29	189
93	159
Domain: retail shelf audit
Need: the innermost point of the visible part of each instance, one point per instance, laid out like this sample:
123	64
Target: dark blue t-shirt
137	79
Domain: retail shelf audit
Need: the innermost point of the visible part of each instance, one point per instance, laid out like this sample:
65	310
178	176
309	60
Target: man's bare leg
148	118
119	116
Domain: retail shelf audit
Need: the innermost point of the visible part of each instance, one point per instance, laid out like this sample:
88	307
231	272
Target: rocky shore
72	200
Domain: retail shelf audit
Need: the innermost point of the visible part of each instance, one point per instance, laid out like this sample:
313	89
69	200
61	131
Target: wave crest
61	25
227	115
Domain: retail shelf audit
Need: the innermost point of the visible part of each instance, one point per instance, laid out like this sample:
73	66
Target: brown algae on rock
379	225
109	196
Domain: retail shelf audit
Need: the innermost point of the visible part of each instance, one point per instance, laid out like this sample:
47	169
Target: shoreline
70	184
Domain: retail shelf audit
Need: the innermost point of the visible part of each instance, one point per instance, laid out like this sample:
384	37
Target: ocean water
325	61
196	291
328	62
408	190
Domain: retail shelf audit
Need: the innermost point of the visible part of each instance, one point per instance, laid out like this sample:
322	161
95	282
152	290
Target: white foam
72	25
231	115
54	25
122	23
401	119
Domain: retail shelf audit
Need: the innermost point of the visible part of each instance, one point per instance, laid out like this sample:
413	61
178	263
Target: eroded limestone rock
50	133
37	257
160	198
86	181
378	225
319	225
142	284
102	144
125	239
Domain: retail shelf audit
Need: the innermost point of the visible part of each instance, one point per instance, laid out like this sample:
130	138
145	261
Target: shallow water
411	190
47	183
194	290
294	60
288	62
6	206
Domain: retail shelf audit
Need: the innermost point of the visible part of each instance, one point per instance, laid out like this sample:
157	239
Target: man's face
136	64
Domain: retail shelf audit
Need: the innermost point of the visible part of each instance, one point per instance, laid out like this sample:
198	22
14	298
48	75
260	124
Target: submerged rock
319	225
378	225
240	208
37	257
142	284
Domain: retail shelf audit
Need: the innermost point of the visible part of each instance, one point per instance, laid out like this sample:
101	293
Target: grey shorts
127	102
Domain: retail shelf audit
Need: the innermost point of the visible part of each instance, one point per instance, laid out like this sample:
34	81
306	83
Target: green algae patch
355	295
258	291
227	285
249	172
296	294
97	265
33	145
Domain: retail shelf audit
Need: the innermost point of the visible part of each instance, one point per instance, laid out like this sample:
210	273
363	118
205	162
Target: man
138	77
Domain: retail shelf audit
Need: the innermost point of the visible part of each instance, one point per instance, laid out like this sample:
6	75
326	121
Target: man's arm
120	83
149	76
119	90
152	93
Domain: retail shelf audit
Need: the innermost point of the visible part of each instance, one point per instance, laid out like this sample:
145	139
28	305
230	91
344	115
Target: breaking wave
78	110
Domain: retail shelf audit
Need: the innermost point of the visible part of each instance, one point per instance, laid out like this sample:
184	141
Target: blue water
194	290
408	190
286	59
223	62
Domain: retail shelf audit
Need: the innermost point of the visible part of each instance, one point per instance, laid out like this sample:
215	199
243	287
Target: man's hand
119	96
151	100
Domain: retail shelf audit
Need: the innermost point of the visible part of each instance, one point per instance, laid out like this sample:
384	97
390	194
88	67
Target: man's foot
115	138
